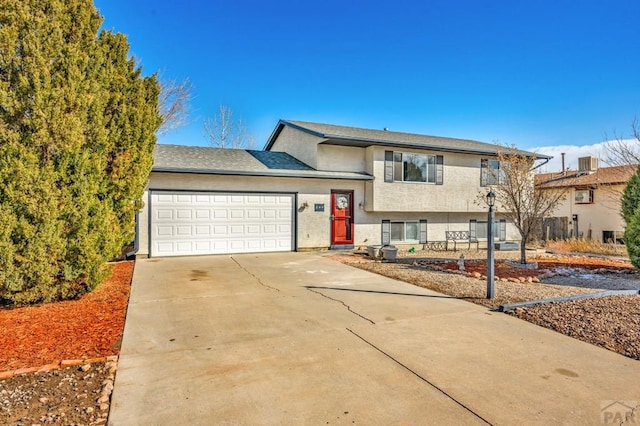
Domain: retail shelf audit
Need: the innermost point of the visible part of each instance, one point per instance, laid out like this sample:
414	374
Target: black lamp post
491	201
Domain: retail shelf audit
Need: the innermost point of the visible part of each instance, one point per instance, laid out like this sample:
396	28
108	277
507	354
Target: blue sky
540	75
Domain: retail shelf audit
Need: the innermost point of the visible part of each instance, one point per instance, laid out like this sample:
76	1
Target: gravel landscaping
610	322
37	387
76	395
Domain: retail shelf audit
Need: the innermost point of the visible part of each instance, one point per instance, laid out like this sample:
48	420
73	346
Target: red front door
341	218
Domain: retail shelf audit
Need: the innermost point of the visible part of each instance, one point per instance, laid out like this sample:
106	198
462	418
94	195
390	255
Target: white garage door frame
247	222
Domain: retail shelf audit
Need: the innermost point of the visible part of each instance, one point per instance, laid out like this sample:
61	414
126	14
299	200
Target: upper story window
584	196
490	172
411	167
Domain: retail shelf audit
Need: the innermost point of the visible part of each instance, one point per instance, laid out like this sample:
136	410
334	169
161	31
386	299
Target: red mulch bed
503	270
89	327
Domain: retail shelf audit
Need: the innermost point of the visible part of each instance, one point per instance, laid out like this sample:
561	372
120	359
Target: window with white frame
413	167
583	196
490	172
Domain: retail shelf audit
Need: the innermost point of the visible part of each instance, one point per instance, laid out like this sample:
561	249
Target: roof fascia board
258	174
278	130
368	142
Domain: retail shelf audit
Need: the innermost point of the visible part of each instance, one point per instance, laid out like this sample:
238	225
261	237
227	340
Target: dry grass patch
579	245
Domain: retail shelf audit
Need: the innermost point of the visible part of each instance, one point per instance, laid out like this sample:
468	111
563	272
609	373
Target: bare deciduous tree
173	103
624	152
517	198
224	132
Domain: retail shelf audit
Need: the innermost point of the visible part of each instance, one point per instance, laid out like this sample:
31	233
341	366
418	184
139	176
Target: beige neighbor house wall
603	214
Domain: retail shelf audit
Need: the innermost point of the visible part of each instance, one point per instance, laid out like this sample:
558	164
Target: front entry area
341	219
198	223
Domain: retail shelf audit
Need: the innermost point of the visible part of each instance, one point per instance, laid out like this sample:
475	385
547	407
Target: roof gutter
260	174
546	160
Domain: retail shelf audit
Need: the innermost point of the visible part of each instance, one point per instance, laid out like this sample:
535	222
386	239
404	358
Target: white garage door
188	223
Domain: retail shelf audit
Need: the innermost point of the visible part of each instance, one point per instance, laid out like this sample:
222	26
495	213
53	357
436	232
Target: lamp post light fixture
491	201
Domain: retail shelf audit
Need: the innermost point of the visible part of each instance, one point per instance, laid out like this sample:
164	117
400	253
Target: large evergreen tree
631	214
77	131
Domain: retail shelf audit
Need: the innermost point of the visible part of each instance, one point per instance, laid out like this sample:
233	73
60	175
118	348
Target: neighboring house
591	208
317	186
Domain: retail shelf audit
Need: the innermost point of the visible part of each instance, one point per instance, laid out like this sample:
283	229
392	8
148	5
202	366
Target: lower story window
404	231
399	231
478	229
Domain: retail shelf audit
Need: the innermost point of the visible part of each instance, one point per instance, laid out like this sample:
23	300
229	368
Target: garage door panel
269	229
220	214
202	214
203	230
184	214
220	230
253	213
215	223
184	231
164	231
236	230
269	214
164	199
253	229
164	214
203	246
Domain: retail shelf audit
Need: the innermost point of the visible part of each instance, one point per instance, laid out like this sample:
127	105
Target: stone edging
544	275
113	359
510	306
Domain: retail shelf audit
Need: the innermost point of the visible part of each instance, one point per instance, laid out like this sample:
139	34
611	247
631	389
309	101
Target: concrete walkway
295	338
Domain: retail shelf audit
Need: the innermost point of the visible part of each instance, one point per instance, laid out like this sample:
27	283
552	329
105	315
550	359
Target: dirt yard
609	322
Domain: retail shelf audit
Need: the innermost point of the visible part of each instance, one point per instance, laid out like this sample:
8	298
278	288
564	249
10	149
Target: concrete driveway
296	338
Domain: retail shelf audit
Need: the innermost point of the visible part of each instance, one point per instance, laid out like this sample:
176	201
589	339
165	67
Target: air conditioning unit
587	164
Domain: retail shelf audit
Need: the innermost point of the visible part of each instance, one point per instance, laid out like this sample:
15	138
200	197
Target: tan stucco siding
369	230
341	158
460	189
313	228
594	218
298	144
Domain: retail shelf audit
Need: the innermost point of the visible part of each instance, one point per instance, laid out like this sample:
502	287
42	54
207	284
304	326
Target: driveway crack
341	302
254	276
424	379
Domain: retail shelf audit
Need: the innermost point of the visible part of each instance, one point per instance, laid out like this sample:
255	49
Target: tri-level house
318	186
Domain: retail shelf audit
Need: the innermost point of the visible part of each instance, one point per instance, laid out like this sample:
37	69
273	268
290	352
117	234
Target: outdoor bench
434	245
456	236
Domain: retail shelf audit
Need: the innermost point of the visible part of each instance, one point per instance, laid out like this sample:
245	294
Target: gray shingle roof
364	137
198	159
